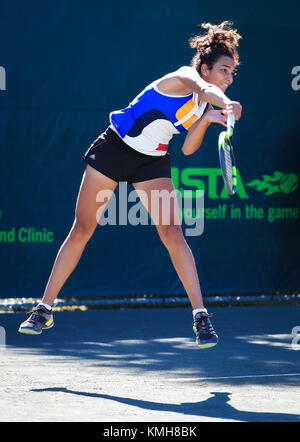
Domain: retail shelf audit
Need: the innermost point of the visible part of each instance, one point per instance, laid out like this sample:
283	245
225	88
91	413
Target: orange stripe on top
185	110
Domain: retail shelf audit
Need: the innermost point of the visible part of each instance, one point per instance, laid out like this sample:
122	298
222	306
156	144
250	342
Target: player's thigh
94	194
160	199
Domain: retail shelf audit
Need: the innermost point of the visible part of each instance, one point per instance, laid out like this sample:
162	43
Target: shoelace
205	323
35	315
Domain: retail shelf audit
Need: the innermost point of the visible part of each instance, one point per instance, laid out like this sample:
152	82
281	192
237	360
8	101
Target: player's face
221	74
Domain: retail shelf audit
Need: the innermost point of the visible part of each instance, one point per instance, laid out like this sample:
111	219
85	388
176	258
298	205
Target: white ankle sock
48	307
199	310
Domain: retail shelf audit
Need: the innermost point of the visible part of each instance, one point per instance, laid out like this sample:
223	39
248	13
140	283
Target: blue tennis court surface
142	365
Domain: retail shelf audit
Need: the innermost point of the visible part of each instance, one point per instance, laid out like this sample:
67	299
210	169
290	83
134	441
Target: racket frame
225	142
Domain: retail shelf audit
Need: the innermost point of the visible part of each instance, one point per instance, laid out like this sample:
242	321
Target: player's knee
171	236
81	232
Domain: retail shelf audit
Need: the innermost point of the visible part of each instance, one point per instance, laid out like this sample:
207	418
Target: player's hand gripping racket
226	156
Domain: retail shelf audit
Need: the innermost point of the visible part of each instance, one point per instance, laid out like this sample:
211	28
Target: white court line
251	376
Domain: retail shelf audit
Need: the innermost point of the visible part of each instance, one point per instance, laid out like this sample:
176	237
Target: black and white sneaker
206	336
40	319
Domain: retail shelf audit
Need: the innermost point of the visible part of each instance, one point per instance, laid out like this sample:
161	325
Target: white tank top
152	118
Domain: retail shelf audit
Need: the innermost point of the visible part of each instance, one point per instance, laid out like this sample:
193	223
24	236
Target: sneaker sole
202	346
208	345
30	331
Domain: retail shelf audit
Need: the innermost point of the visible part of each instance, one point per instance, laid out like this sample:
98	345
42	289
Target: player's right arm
186	80
207	92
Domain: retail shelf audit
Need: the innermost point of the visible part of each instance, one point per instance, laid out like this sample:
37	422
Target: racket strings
228	166
227	162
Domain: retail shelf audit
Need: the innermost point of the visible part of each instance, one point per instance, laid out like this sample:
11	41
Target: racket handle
230	121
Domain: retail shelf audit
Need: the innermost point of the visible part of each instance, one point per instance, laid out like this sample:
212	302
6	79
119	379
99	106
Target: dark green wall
68	64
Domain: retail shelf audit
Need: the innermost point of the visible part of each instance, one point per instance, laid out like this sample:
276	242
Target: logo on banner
278	183
210	181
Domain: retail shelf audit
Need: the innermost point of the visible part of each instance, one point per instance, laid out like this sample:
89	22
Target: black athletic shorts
110	155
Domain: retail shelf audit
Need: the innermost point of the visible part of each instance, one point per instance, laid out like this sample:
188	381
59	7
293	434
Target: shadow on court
146	360
214	407
252	341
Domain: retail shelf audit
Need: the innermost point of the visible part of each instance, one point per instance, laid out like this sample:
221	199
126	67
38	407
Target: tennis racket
227	161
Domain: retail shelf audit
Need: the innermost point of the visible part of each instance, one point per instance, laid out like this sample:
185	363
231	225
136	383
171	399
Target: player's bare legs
171	234
87	212
83	228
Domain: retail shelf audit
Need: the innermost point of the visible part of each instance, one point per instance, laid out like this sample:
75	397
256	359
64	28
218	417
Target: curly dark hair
219	40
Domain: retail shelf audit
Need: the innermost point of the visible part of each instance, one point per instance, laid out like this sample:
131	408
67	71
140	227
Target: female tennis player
134	149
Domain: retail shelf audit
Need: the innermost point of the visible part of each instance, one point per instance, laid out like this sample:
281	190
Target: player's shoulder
171	84
187	71
182	70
